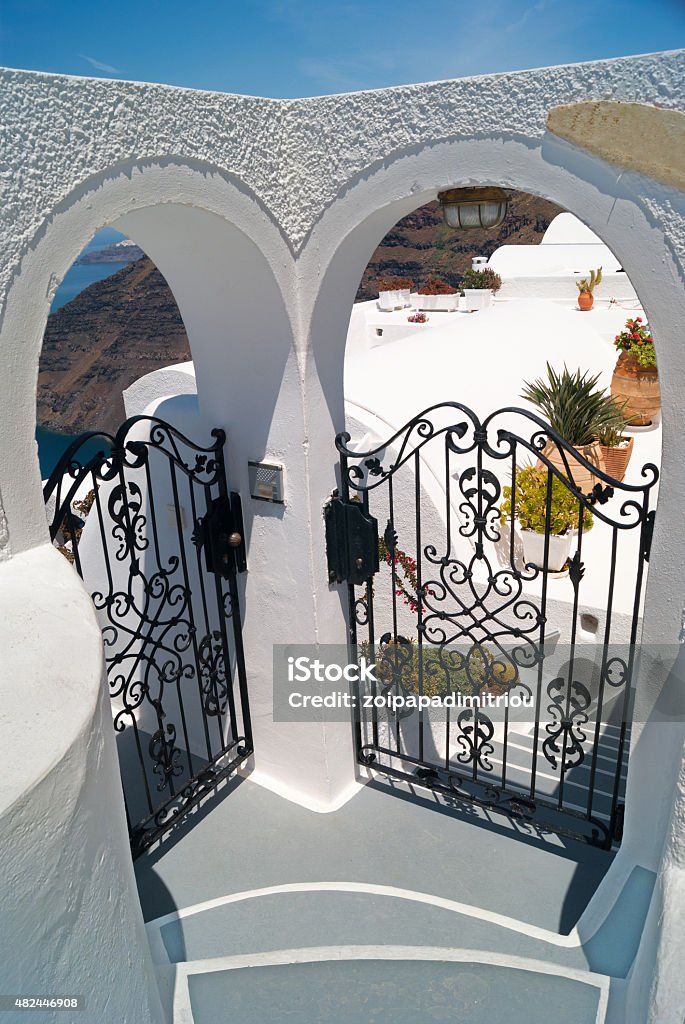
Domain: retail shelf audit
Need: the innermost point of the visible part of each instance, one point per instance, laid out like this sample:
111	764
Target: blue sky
285	48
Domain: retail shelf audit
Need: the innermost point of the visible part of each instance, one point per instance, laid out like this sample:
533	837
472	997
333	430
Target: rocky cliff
112	333
421	244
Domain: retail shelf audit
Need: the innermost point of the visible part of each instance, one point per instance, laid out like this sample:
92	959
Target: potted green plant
529	508
578	411
479	286
435	294
394	292
635	383
616	447
586	287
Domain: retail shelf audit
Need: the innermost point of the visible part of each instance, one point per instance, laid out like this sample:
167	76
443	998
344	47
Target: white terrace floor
392	909
482	360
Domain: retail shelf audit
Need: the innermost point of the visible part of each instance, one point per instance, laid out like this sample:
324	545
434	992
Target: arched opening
186	219
404	374
113	320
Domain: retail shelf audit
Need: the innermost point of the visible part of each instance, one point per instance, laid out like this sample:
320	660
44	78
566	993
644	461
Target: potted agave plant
578	411
635	383
479	287
586	287
529	509
394	292
616	448
435	294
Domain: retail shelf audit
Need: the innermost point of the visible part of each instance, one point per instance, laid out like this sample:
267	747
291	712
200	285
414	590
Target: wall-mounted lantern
484	207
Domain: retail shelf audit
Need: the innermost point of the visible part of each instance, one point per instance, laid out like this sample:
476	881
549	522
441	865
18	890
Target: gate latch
222	536
351	541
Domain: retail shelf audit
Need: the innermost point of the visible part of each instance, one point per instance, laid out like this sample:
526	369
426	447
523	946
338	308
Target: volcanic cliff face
111	334
121	328
421	244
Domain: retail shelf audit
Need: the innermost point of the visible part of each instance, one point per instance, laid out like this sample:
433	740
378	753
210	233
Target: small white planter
446	303
405	297
388	301
534	549
477	298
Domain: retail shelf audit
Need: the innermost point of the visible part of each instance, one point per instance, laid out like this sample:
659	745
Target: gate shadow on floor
156	899
592	863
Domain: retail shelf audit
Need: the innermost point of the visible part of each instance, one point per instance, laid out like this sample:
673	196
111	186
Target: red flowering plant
636	339
418	318
394	284
406	588
434	286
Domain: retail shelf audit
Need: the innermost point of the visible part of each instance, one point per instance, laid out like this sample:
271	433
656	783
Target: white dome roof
566	229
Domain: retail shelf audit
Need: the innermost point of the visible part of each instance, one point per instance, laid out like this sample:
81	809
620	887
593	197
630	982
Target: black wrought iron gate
147	519
504	666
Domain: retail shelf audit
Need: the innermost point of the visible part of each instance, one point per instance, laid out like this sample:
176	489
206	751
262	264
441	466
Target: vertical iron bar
602	677
353	654
571	661
543	617
372	636
393	570
631	661
419	594
223	633
208	631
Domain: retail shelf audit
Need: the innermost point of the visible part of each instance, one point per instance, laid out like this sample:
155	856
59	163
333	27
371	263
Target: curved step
302	915
352	986
292	919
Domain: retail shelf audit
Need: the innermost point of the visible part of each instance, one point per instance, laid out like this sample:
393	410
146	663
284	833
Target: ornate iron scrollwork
171	658
481	615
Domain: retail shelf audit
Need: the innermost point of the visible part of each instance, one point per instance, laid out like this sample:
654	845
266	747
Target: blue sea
51	445
81	275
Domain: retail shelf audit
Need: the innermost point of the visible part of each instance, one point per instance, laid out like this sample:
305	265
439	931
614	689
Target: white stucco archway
220	253
620	209
308	188
615	207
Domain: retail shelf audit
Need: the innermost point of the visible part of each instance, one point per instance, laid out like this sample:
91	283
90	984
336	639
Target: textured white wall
68	922
178	379
262	215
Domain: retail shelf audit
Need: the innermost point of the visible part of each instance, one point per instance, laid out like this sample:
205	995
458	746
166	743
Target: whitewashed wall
261	215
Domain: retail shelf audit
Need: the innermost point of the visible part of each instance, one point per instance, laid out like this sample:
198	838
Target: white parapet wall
70	923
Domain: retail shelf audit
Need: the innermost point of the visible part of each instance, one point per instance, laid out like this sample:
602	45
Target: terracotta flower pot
636	388
585	300
616	459
583	479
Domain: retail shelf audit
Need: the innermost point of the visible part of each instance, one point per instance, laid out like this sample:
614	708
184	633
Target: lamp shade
474	207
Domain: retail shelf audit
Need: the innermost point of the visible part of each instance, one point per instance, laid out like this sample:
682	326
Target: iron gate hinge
351	541
648	534
222	536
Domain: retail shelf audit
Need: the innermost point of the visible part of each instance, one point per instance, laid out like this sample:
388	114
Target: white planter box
388	301
478	298
405	296
438	302
534	549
